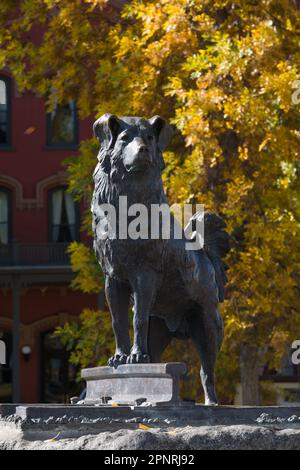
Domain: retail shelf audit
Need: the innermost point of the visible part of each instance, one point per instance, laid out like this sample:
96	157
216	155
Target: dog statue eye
125	138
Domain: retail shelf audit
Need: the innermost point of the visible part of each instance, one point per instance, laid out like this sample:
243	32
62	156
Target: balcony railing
50	254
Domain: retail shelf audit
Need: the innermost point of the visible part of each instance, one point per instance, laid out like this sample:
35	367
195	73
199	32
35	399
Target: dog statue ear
162	131
106	129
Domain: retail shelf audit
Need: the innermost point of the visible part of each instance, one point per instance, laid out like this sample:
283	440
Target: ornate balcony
34	255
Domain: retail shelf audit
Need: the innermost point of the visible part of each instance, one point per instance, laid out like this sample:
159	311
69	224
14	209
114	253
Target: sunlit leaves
91	341
88	277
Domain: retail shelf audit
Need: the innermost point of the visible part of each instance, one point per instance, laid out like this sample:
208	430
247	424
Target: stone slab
132	384
46	417
7	409
185	426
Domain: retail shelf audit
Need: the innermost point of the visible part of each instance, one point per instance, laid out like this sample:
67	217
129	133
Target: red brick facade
39	289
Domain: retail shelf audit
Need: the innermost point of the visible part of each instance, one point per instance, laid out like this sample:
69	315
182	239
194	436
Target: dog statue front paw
117	360
138	358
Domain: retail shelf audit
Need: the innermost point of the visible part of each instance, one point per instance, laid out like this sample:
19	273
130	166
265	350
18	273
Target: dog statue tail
215	244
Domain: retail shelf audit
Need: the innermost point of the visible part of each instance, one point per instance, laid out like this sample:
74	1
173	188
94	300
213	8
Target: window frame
7	82
8	191
50	207
62	146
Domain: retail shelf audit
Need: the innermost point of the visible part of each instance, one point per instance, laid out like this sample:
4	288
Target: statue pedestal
171	427
134	384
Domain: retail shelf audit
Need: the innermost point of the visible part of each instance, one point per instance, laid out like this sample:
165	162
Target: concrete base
45	417
134	384
183	427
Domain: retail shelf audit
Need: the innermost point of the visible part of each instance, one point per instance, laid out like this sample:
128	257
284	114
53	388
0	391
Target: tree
54	47
223	72
90	341
230	67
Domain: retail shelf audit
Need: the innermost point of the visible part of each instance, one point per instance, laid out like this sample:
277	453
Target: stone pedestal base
134	384
109	427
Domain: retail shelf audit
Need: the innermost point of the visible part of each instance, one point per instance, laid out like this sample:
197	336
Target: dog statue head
131	147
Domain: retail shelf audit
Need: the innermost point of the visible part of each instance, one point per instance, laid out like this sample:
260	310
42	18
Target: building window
4	112
4	216
62	126
63	217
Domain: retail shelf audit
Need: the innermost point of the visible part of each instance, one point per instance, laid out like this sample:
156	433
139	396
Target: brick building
38	219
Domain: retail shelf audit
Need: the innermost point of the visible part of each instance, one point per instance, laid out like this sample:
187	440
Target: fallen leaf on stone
53	438
171	433
143	427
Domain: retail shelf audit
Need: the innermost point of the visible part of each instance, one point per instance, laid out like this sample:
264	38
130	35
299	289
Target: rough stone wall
239	437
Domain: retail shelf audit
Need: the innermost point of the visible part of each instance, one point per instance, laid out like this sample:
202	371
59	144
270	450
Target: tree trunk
249	368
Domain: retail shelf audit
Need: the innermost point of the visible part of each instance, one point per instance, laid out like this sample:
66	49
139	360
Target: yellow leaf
29	130
53	438
144	428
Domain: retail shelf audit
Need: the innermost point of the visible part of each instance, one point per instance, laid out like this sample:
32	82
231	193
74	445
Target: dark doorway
6	369
58	375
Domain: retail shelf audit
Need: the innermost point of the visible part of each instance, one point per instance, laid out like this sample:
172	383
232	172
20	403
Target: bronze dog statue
175	292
